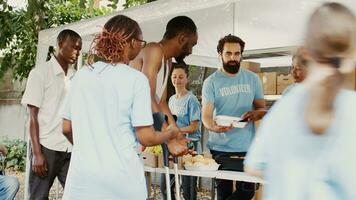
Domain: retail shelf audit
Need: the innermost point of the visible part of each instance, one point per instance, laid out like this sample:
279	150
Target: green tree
131	3
20	28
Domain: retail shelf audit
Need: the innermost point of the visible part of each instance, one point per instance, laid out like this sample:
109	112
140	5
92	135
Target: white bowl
224	120
239	124
210	167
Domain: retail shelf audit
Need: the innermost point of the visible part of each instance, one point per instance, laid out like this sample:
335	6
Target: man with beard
155	61
236	92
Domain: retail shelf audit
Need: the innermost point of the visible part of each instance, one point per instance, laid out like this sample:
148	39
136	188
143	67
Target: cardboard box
259	193
252	66
283	81
269	82
160	161
350	82
149	159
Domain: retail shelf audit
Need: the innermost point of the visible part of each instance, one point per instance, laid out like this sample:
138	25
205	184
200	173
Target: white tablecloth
219	174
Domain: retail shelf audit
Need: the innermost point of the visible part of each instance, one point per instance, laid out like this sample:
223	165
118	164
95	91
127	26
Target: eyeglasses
335	61
143	42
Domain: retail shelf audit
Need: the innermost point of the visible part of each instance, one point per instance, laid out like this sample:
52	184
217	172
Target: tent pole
233	18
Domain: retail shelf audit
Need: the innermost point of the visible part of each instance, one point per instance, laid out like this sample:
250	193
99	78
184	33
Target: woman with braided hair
108	109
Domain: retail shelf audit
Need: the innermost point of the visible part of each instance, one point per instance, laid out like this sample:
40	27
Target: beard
184	53
231	67
180	59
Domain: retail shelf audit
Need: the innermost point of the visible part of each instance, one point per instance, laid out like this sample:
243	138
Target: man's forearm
160	137
147	136
165	109
262	112
67	130
208	123
69	136
34	135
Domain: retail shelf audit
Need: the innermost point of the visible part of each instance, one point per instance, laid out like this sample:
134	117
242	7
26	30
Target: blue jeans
8	187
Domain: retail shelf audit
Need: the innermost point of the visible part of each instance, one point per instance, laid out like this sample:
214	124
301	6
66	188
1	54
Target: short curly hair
179	24
230	39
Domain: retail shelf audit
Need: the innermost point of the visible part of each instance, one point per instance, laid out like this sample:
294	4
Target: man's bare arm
39	163
165	109
258	113
152	58
67	130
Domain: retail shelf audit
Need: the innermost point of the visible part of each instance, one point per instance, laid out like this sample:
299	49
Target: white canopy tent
267	26
270	27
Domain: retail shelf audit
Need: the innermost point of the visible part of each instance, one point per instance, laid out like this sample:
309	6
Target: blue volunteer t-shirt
187	110
232	96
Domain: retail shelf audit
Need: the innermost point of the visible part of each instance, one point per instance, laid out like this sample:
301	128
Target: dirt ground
54	195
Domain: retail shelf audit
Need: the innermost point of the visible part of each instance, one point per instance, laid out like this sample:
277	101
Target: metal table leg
213	186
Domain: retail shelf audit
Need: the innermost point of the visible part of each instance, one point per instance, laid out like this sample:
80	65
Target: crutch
176	177
175	166
166	167
158	122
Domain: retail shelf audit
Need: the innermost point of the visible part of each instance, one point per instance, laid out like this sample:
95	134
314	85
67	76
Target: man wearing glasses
298	71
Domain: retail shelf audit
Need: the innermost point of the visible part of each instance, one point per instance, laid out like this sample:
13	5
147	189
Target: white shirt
46	89
104	104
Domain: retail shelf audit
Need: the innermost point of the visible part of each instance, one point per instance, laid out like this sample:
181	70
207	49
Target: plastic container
224	120
210	167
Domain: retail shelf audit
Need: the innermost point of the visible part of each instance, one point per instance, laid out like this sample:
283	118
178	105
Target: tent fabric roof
262	24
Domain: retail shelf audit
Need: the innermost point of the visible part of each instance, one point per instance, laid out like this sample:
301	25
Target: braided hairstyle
116	34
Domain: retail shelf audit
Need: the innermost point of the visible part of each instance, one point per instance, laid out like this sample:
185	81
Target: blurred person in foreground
305	146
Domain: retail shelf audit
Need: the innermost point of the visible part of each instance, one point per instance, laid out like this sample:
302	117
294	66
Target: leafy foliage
16	156
20	28
131	3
